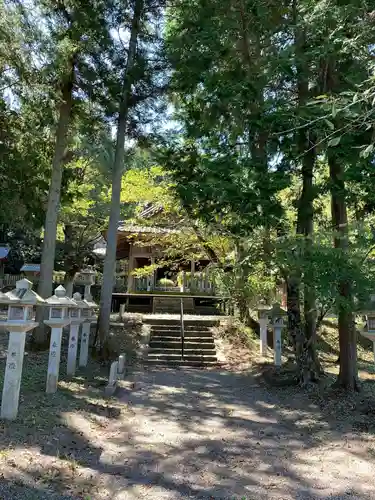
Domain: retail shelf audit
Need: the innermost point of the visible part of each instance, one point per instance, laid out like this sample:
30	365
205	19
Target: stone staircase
165	346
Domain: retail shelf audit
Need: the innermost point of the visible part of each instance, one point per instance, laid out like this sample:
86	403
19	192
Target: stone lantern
370	332
88	279
276	316
263	313
21	303
89	317
59	317
75	313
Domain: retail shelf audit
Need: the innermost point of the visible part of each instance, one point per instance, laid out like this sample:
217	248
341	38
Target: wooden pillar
192	276
130	269
206	281
153	278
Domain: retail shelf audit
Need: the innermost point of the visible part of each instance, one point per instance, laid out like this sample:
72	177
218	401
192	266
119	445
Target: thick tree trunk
118	169
50	226
348	374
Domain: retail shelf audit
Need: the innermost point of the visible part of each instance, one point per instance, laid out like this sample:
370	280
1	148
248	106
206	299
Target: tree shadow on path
218	435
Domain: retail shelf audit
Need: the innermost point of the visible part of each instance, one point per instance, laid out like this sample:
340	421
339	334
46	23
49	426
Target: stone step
177	333
177	345
187	338
176	322
177	357
195	340
187	328
188	351
181	363
171	310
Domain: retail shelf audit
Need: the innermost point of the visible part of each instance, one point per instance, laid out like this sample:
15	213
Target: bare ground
171	434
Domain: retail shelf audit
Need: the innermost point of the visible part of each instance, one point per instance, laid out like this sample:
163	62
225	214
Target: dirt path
199	434
174	434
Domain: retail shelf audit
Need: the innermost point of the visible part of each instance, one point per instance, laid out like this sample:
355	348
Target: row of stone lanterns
274	317
63	311
271	317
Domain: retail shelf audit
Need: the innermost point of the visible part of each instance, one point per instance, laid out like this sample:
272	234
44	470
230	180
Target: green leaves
367	151
335	141
330	125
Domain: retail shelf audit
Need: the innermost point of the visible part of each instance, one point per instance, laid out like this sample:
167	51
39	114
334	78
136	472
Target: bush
166	282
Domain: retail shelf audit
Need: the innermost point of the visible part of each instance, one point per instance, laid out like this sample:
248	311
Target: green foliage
165	282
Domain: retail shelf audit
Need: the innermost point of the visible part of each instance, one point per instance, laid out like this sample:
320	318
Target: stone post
85	341
277	322
263	312
75	321
20	321
88	317
121	366
13	375
112	381
54	360
72	349
58	318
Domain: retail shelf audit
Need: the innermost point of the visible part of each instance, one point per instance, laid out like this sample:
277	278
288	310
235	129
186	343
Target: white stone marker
112	380
263	312
20	320
75	321
58	318
89	317
277	322
121	366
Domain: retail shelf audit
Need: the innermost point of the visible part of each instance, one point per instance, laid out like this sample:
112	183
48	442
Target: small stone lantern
59	317
89	317
276	316
263	313
88	279
21	303
75	320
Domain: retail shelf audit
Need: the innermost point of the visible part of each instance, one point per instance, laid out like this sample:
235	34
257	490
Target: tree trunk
71	265
118	169
294	310
348	374
304	335
50	226
69	281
